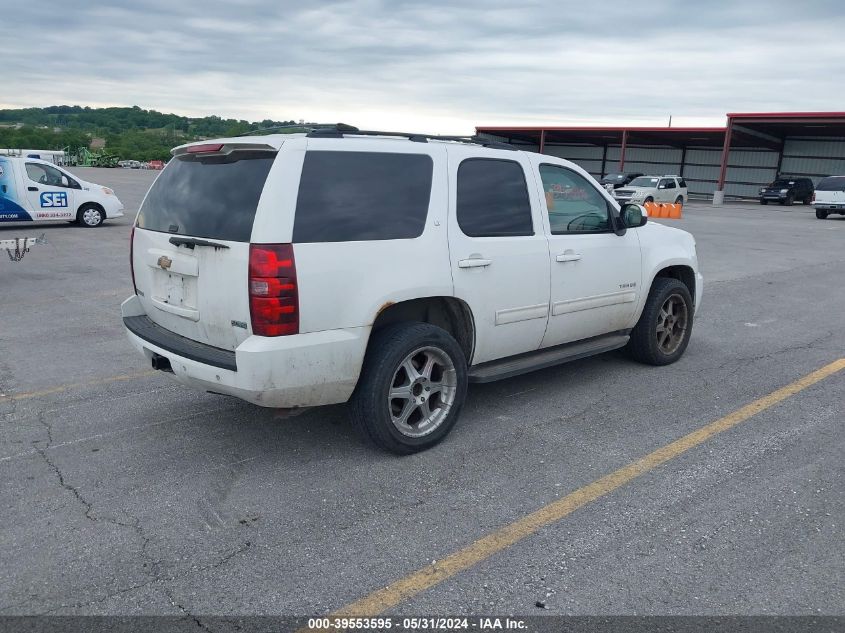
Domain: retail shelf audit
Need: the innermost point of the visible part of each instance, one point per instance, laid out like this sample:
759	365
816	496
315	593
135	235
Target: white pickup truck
34	190
391	270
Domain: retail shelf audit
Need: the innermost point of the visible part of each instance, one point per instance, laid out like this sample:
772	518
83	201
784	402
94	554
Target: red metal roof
587	128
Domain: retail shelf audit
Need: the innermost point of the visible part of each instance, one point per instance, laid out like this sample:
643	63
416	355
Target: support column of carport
719	194
622	150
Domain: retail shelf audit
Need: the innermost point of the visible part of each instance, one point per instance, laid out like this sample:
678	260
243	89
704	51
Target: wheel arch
448	313
91	203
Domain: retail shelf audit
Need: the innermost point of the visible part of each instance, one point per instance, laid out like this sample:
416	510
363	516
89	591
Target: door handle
474	263
32	188
568	256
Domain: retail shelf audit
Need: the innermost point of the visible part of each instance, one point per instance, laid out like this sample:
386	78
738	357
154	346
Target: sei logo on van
54	199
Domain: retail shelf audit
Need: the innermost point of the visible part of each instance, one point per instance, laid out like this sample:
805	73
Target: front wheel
90	216
821	215
789	200
411	389
662	334
648	200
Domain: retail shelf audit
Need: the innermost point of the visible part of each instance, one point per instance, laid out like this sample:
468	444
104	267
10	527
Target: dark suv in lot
615	181
787	191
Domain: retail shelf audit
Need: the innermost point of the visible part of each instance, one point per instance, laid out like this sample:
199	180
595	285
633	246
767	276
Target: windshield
215	196
833	183
643	181
613	178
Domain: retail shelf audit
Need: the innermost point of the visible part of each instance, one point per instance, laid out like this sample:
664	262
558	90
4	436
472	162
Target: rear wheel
662	334
807	200
679	200
648	200
821	215
411	389
90	216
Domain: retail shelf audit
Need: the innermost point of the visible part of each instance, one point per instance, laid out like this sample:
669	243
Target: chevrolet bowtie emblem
165	262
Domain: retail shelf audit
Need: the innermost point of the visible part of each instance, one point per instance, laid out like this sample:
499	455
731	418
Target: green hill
132	133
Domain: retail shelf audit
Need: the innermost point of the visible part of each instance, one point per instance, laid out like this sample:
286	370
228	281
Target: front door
49	193
595	274
498	251
666	190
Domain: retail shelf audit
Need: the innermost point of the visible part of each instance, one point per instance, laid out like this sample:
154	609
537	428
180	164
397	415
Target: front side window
357	196
46	175
574	206
492	199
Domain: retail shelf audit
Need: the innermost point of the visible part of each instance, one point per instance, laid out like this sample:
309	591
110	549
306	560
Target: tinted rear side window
213	196
833	183
355	196
492	199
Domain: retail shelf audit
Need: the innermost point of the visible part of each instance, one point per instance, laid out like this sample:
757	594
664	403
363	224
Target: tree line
131	133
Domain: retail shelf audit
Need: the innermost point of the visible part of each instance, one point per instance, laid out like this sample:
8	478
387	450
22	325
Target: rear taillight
132	257
273	293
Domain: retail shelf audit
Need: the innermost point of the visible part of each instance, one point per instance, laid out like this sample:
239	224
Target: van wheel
662	334
412	387
90	216
821	215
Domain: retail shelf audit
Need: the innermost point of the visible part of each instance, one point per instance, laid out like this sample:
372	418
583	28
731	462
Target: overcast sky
430	66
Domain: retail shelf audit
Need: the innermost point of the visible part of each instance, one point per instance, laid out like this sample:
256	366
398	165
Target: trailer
17	247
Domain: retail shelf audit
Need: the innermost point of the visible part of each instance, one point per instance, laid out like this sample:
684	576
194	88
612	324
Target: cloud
434	66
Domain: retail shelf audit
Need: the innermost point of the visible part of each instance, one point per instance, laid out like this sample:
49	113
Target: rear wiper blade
191	242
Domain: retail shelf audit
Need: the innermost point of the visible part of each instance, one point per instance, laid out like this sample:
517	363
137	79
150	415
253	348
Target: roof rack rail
305	127
341	129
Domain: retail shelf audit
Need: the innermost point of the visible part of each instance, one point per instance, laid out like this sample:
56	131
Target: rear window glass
211	196
833	183
356	196
492	199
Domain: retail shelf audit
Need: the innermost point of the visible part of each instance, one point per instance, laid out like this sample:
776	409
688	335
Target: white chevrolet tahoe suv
390	270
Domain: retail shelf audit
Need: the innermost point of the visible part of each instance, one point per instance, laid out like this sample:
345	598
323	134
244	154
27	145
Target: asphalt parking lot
125	493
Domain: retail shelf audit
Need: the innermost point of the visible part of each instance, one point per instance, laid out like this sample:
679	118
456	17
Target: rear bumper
302	370
829	206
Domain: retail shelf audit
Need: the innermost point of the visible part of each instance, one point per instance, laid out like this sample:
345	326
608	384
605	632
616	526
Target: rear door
667	191
191	242
831	193
498	251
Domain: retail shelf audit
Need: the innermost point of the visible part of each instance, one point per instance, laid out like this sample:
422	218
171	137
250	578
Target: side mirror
633	215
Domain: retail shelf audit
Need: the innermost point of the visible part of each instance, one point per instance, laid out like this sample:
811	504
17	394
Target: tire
807	200
763	201
645	343
790	199
679	200
90	216
821	215
400	425
647	200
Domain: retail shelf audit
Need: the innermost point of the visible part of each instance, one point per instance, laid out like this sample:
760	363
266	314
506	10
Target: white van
829	197
36	190
391	270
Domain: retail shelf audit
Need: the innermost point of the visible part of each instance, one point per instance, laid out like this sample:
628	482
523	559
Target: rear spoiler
221	149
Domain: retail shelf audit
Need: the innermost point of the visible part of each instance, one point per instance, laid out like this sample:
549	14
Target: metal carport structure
735	161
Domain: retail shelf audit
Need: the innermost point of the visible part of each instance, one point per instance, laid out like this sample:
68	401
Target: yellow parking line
60	388
508	535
